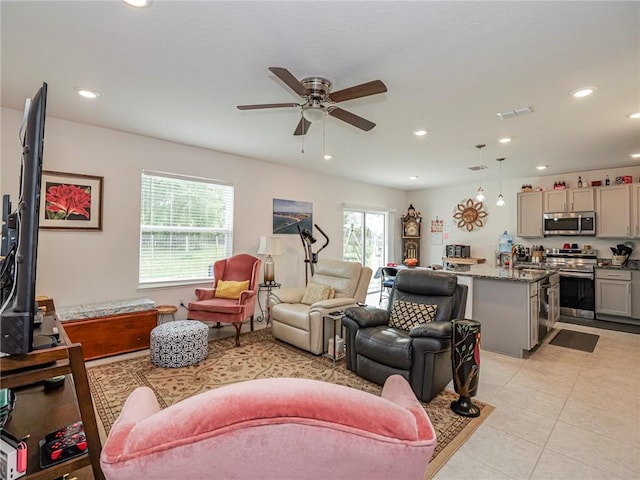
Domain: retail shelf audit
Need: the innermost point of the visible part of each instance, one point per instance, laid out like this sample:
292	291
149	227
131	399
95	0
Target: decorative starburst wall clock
470	215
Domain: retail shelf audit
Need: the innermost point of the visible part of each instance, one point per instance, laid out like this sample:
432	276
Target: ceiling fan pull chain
324	135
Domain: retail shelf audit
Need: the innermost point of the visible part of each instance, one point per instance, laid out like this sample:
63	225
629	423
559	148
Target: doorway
365	240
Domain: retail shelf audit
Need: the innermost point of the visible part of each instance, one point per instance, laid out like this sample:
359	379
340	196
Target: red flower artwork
64	200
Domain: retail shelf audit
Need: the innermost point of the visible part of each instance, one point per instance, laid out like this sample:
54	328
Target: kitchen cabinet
613	292
534	314
635	210
613	209
635	294
511	329
554	305
571	200
529	214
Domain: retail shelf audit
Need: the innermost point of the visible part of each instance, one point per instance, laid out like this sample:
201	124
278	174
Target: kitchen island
507	303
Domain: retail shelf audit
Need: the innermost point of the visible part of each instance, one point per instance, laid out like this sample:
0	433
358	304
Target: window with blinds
186	224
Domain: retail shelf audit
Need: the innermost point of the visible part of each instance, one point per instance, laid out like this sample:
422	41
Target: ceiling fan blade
287	77
355	120
357	91
267	105
302	127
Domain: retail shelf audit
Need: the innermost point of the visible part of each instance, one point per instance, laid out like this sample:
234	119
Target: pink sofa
275	428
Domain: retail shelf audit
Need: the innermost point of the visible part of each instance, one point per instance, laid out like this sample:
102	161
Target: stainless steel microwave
569	223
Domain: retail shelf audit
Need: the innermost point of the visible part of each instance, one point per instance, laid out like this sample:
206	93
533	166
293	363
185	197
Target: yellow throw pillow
230	288
315	293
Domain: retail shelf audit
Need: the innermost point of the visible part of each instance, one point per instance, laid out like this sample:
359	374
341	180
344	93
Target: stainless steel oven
577	280
577	294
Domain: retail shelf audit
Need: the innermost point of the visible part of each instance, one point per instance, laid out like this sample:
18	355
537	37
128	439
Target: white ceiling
177	70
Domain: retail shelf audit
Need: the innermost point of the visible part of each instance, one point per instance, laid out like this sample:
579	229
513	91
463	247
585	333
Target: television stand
38	412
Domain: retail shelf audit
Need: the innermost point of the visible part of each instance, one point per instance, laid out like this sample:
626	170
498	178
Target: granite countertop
502	273
630	265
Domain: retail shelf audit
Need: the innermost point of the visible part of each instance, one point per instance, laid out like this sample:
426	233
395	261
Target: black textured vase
465	363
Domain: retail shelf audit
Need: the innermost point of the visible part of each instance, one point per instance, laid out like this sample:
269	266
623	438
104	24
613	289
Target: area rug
259	356
585	342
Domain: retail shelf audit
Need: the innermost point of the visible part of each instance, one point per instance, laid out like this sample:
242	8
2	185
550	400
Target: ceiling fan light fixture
313	114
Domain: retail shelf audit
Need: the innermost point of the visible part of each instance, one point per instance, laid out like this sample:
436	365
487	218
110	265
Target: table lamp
269	246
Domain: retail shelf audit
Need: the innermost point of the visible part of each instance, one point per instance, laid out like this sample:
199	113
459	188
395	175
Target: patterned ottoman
179	344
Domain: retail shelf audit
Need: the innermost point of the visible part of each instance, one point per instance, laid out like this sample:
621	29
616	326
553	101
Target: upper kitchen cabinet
572	200
530	214
635	209
613	209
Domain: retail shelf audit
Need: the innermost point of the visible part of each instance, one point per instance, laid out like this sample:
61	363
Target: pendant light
500	201
480	196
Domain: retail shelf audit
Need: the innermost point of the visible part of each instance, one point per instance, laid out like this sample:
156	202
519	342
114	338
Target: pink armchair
209	308
272	428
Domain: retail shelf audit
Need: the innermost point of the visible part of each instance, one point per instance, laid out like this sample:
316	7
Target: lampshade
313	114
269	246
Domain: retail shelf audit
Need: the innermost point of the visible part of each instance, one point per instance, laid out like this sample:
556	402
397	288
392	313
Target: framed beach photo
289	214
70	201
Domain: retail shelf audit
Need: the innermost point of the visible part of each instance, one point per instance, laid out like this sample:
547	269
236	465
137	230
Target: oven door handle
576	275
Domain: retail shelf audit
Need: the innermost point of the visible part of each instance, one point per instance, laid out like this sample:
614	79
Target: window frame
226	230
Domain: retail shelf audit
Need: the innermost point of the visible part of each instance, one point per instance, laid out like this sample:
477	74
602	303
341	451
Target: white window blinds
186	224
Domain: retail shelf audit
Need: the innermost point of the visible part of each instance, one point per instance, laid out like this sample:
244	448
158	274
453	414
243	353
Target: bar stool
164	311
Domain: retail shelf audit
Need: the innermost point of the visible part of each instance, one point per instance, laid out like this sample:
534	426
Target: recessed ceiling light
542	167
138	3
634	115
86	93
420	133
504	139
635	155
583	92
328	157
413	177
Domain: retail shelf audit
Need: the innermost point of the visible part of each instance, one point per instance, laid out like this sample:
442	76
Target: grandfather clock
411	232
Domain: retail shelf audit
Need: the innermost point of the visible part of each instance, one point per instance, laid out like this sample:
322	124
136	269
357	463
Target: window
186	224
366	239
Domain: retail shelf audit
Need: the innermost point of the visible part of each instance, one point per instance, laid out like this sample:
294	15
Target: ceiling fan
319	100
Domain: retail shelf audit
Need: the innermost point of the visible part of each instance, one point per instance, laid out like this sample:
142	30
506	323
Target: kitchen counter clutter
518	274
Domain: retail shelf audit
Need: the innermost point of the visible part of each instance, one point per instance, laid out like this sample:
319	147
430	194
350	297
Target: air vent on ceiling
517	112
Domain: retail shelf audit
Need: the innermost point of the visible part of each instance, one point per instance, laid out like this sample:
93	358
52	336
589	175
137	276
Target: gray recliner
422	355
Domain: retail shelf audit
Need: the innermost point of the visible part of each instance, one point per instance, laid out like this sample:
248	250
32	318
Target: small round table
165	311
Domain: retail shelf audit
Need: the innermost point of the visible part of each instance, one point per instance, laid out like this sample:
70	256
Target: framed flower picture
70	201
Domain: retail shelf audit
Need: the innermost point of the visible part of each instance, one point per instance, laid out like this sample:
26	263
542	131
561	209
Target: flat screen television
18	310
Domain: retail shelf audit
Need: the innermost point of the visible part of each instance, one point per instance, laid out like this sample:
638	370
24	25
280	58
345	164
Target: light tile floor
560	414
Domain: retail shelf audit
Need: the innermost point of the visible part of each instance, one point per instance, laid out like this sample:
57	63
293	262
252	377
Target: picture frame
289	214
70	201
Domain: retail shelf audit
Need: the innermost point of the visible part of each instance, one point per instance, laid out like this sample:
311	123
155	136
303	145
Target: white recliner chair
300	324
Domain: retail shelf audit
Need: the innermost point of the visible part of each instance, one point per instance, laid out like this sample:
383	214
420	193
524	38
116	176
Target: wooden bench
110	328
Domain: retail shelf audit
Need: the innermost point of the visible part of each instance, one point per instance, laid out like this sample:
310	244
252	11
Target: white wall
84	267
441	202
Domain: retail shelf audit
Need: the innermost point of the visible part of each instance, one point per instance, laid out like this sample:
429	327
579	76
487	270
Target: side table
265	313
334	317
